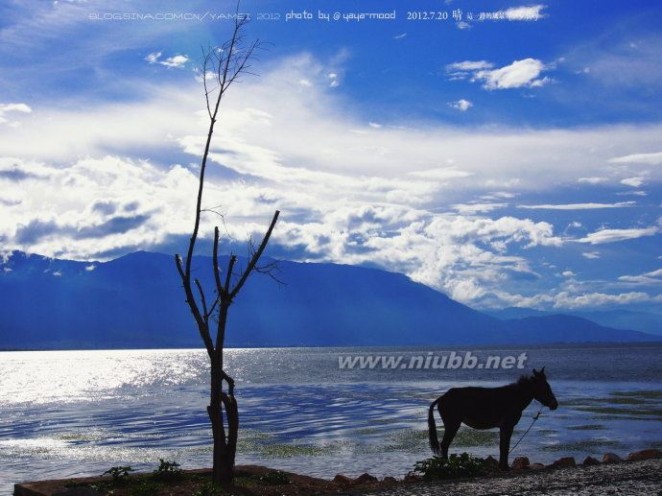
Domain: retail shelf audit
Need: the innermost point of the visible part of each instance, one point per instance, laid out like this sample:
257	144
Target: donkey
486	408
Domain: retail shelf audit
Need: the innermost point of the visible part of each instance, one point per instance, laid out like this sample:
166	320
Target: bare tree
223	66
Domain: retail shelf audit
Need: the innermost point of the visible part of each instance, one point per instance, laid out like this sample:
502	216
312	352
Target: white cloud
639	158
616	235
635	182
465	69
597	299
10	108
462	105
525	13
578	206
523	73
591	255
520	74
176	62
153	57
592	180
649	278
476	208
350	192
529	13
334	79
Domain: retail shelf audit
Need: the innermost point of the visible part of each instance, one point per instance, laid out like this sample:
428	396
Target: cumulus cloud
414	197
525	73
520	74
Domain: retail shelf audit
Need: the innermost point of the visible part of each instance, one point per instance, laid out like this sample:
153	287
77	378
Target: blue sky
507	153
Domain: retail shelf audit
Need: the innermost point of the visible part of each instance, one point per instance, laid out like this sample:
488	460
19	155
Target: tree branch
256	256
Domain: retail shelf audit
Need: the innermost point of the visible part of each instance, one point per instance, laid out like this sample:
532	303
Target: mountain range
136	301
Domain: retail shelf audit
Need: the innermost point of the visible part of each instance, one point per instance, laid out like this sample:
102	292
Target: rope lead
535	417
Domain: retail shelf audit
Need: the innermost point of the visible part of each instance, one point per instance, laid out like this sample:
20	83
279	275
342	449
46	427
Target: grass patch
407	440
455	467
587	427
647	395
632	413
291	450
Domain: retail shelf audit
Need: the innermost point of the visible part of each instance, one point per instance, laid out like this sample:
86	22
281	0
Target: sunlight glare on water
42	377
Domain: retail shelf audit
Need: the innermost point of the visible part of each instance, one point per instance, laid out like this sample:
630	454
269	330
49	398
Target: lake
74	413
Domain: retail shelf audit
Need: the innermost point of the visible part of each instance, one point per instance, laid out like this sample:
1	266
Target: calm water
74	413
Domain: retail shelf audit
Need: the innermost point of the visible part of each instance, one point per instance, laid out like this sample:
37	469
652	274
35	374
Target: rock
521	463
589	460
366	478
647	454
342	480
412	477
566	461
390	480
536	466
611	458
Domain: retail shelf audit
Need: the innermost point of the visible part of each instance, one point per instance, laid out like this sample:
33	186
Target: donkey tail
432	428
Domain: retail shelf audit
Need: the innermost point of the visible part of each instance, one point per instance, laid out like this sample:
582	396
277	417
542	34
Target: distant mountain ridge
647	322
136	301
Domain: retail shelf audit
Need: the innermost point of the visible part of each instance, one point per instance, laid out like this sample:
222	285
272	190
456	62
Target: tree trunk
223	412
225	447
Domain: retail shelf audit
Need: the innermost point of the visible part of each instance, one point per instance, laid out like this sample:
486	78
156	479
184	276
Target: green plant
455	467
168	470
119	472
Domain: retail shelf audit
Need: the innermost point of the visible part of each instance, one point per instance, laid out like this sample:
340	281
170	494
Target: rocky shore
638	474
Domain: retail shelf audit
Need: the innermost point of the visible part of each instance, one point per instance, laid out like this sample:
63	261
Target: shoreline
637	474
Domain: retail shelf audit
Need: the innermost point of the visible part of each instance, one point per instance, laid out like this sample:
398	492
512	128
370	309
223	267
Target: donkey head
542	391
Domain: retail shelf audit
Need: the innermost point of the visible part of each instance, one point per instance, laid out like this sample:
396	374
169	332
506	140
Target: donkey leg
504	446
450	429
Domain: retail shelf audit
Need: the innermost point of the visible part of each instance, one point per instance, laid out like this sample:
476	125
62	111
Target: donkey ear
542	372
536	373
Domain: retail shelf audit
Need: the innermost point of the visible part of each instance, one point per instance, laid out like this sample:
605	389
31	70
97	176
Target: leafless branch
256	256
203	300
